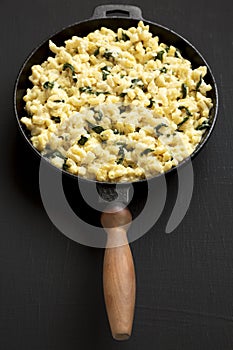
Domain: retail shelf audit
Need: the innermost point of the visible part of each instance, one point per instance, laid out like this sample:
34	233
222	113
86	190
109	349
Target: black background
51	288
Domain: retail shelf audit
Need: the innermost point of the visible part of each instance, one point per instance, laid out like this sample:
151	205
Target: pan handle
118	272
117	11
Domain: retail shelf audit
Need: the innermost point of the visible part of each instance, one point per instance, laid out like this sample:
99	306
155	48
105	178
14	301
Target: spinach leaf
137	81
119	160
163	70
98	116
98	129
146	151
105	72
122	109
158	127
68	66
186	110
108	55
82	140
124	145
65	166
121	152
97	93
48	85
184	90
96	52
123	94
204	125
54	154
125	37
121	155
151	103
199	83
183	121
56	119
86	89
159	56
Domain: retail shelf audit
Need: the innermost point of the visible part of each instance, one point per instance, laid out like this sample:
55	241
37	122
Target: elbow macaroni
116	106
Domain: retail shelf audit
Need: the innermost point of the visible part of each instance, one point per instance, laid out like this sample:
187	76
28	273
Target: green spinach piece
108	55
183	121
82	140
96	52
65	166
158	127
204	125
184	90
105	72
68	66
86	89
163	70
98	116
151	103
54	154
159	56
48	85
146	151
199	83
56	119
125	37
186	110
119	160
123	94
98	129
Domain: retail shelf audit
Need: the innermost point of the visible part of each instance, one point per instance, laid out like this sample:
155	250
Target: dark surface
51	291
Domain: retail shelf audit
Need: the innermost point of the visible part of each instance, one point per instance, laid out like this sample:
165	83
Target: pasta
117	106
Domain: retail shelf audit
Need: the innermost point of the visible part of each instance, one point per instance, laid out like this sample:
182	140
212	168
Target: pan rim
180	164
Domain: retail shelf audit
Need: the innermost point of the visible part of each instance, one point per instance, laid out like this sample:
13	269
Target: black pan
119	277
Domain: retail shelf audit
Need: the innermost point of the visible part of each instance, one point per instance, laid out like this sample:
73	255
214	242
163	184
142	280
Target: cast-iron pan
118	271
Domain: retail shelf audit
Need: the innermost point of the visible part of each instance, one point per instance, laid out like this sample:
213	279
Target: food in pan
117	106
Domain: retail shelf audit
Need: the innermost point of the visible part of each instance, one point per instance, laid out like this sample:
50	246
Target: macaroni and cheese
117	106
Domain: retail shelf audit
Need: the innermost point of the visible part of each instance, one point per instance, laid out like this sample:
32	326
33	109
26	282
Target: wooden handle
118	273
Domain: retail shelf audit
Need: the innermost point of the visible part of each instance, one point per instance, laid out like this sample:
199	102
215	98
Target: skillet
118	270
